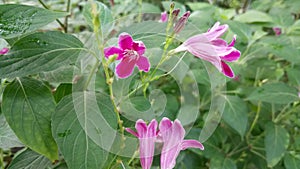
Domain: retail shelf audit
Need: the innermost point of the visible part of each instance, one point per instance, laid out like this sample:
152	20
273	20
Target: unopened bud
181	23
175	14
4	51
172	5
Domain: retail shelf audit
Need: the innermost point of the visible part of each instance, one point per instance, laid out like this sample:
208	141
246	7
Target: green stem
58	21
66	18
96	65
254	121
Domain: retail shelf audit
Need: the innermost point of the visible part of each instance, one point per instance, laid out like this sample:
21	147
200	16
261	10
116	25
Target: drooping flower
210	47
163	17
172	136
4	51
130	53
147	137
277	31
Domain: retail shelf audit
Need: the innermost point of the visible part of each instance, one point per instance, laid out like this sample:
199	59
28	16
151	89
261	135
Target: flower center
132	54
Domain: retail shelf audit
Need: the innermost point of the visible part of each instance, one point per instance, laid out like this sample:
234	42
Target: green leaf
29	159
291	162
105	17
38	52
63	74
78	149
8	139
222	163
278	93
252	16
62	90
242	30
276	143
20	19
28	105
235	114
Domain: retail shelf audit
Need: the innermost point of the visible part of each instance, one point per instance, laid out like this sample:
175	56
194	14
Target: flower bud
181	23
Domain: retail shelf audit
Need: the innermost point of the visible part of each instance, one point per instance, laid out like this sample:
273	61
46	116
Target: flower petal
125	68
113	50
143	64
165	124
139	47
233	56
233	41
129	130
141	127
125	41
226	70
216	31
4	51
163	17
191	144
152	128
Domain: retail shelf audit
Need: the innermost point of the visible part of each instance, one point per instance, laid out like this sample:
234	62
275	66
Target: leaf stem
58	21
254	121
66	18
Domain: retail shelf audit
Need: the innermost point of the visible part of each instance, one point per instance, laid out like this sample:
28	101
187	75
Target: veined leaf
253	16
30	159
235	114
278	93
18	19
291	162
276	143
42	51
8	139
28	105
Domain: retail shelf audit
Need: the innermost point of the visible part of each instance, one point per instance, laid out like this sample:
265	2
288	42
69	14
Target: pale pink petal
226	70
129	130
233	56
165	125
143	64
139	47
125	68
168	156
141	128
163	17
125	41
191	144
152	128
113	50
179	131
219	42
216	31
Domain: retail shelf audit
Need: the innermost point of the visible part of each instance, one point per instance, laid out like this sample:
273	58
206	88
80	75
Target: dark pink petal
125	41
139	47
232	42
125	68
233	56
129	130
152	128
4	51
191	144
163	17
226	70
219	42
143	64
113	50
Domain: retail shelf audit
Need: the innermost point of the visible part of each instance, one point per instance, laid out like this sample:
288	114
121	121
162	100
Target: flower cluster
171	134
208	46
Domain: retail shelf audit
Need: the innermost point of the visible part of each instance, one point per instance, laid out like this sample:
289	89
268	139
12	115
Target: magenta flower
210	47
130	53
163	17
147	136
4	51
277	31
172	136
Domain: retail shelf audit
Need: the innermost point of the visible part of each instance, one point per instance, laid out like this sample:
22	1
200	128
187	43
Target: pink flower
210	47
147	136
130	53
163	17
277	31
181	22
172	135
4	51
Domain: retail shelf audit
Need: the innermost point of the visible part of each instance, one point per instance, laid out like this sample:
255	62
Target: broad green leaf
63	74
222	163
20	19
28	105
293	75
8	139
276	143
235	114
38	52
252	16
278	93
30	160
105	17
199	5
242	30
62	90
78	149
291	162
150	8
